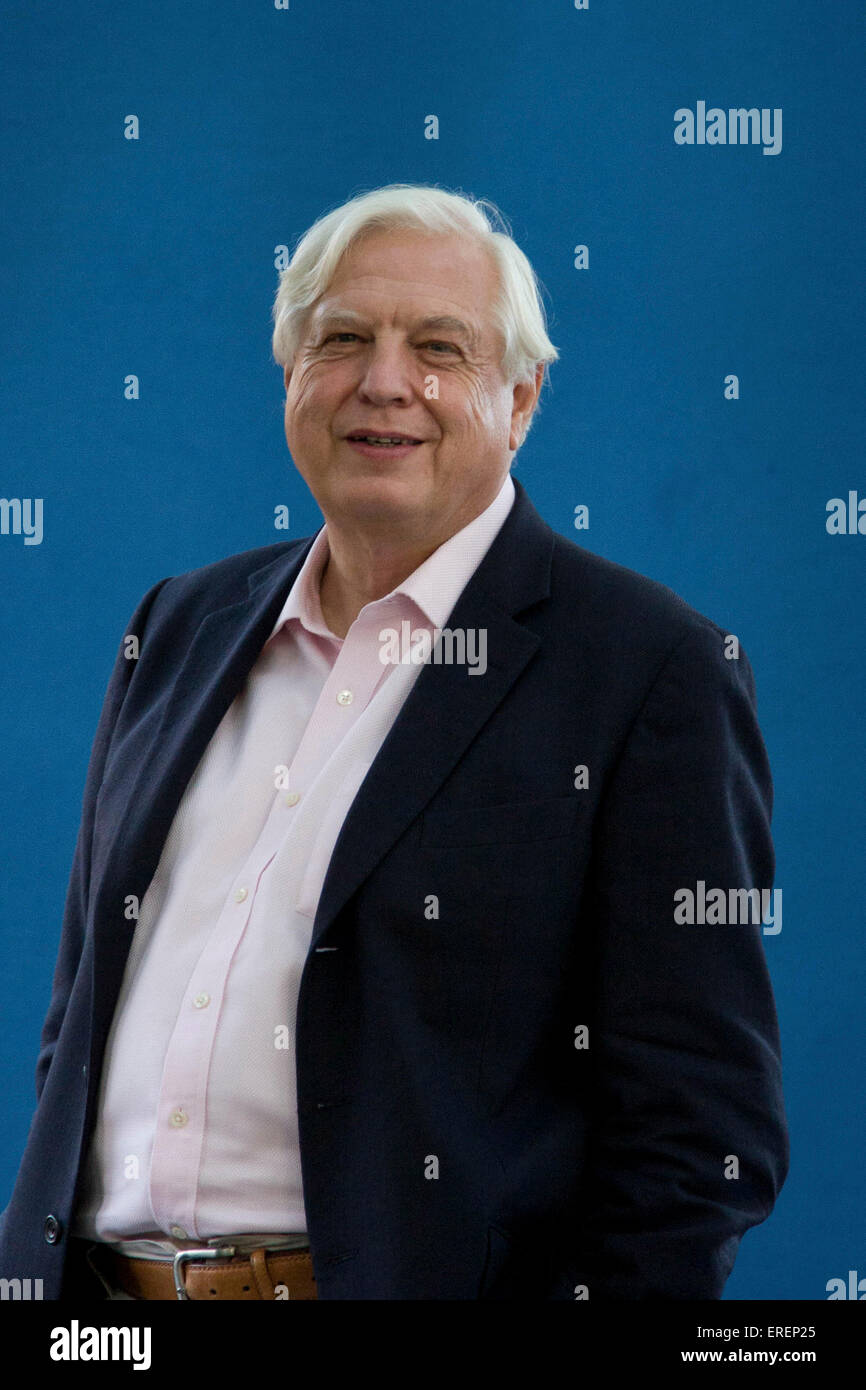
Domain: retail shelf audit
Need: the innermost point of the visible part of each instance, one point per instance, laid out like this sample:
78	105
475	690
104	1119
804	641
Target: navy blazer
461	1136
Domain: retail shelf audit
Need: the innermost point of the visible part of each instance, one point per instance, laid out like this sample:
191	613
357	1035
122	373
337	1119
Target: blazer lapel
446	706
224	649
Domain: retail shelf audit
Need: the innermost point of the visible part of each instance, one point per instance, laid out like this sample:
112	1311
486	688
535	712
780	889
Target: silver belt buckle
183	1257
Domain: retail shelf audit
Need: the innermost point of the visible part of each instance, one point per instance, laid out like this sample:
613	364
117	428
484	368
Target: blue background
156	257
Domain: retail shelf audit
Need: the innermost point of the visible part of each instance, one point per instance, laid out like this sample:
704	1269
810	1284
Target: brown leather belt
206	1275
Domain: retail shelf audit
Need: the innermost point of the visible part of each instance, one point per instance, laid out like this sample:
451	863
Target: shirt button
178	1232
345	697
240	894
178	1118
292	799
201	1001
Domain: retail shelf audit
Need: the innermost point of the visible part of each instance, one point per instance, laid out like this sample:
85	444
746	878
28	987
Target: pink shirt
197	1133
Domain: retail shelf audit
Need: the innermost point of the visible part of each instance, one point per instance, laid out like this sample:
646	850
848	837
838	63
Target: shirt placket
176	1159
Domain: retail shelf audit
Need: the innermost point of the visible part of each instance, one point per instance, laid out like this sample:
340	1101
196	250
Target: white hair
518	313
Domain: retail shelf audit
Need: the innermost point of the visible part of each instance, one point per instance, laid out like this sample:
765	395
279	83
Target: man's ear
526	395
287	372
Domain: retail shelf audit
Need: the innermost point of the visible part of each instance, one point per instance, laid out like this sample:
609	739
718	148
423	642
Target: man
372	982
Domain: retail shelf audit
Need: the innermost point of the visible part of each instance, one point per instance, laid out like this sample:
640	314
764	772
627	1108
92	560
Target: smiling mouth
383	441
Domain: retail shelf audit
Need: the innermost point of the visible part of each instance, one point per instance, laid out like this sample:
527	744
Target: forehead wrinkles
377	287
402	283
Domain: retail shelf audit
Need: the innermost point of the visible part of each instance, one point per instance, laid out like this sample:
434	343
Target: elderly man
374	981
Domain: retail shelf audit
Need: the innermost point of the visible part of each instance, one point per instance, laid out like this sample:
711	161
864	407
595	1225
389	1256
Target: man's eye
347	333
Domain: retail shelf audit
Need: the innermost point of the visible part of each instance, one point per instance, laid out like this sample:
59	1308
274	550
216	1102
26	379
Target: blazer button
51	1230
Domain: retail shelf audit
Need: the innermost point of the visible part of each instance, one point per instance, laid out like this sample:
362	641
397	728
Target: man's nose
387	374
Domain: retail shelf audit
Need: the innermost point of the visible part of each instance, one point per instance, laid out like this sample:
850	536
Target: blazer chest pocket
511	823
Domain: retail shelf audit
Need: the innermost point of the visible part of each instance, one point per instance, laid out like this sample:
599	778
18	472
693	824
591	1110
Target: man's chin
379	497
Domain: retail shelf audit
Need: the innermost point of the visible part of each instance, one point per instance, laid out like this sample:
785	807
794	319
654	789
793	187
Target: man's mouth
383	441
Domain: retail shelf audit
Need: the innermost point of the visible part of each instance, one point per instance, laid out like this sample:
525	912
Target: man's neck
365	566
352	579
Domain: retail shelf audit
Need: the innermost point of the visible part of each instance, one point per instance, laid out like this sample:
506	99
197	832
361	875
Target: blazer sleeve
77	895
689	1144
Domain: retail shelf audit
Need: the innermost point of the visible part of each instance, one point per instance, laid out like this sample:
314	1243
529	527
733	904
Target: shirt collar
434	586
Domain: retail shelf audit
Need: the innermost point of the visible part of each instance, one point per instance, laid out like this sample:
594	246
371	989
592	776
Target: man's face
372	362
